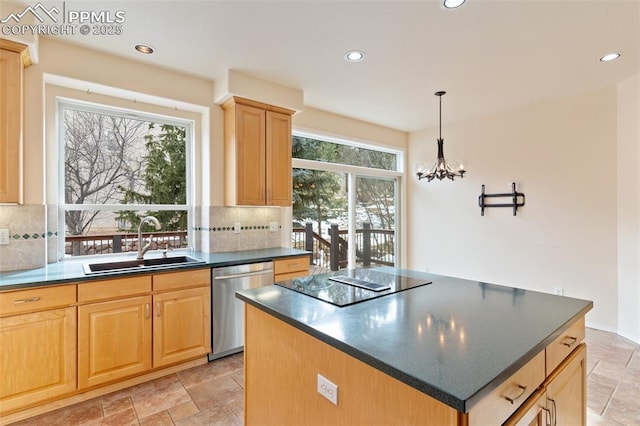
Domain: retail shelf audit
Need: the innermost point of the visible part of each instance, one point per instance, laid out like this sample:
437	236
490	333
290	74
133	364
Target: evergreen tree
163	177
317	195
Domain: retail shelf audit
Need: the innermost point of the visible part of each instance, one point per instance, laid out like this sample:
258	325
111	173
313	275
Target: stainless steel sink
128	265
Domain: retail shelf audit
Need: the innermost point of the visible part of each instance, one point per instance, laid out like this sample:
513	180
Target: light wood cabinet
257	153
181	318
496	407
62	344
564	344
114	329
561	400
290	267
567	391
13	57
534	412
114	340
38	356
128	326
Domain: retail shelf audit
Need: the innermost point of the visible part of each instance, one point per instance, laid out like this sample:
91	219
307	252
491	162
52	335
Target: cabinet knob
157	309
147	309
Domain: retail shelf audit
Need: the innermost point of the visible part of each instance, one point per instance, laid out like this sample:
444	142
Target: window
345	198
331	152
118	167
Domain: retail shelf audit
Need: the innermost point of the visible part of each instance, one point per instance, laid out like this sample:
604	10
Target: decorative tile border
33	236
230	228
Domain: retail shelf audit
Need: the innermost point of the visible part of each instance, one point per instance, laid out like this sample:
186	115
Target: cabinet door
114	340
38	359
567	391
10	126
533	412
278	159
181	325
250	155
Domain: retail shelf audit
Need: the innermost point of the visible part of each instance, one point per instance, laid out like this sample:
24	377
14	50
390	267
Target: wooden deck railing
373	246
79	245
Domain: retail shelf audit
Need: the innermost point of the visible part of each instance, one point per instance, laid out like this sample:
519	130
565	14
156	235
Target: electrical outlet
4	237
236	227
327	389
519	185
273	227
559	291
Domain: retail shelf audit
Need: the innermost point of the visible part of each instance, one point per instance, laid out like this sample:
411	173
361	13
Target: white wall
330	124
565	236
629	208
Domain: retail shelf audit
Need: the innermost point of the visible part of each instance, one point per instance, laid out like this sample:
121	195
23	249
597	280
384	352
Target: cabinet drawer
290	276
182	279
116	288
21	301
564	344
496	407
292	264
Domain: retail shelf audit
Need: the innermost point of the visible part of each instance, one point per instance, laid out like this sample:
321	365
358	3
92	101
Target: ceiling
488	55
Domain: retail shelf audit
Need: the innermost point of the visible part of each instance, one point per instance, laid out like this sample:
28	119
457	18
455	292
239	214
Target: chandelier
440	169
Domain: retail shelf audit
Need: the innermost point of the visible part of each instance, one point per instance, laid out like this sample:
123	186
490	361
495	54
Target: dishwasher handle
244	274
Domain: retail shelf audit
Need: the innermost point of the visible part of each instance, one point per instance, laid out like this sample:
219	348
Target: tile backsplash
28	237
33	243
218	234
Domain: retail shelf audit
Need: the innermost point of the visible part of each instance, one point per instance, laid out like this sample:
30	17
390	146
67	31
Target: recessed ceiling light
452	4
144	48
609	57
354	56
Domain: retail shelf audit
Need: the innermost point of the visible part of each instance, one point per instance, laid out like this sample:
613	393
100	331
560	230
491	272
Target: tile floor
613	380
212	394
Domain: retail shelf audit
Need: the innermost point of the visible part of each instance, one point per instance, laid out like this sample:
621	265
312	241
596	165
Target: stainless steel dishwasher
227	316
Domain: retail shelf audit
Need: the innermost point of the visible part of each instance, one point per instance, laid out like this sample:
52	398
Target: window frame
62	102
353	172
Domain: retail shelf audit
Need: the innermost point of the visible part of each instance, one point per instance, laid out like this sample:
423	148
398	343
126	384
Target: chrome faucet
142	250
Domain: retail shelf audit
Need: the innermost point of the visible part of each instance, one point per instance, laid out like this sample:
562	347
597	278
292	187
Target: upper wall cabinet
13	57
257	154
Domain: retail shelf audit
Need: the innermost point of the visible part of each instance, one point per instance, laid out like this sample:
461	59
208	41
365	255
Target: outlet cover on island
4	237
328	389
236	227
273	226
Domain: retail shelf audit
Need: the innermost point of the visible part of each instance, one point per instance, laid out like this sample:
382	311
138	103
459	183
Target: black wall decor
514	195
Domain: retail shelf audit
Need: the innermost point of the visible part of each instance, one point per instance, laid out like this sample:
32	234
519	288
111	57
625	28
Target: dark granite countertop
71	270
455	340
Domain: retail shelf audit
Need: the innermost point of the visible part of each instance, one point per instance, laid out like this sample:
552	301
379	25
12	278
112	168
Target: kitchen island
447	351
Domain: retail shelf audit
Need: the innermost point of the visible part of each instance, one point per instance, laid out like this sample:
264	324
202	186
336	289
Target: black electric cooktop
351	286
